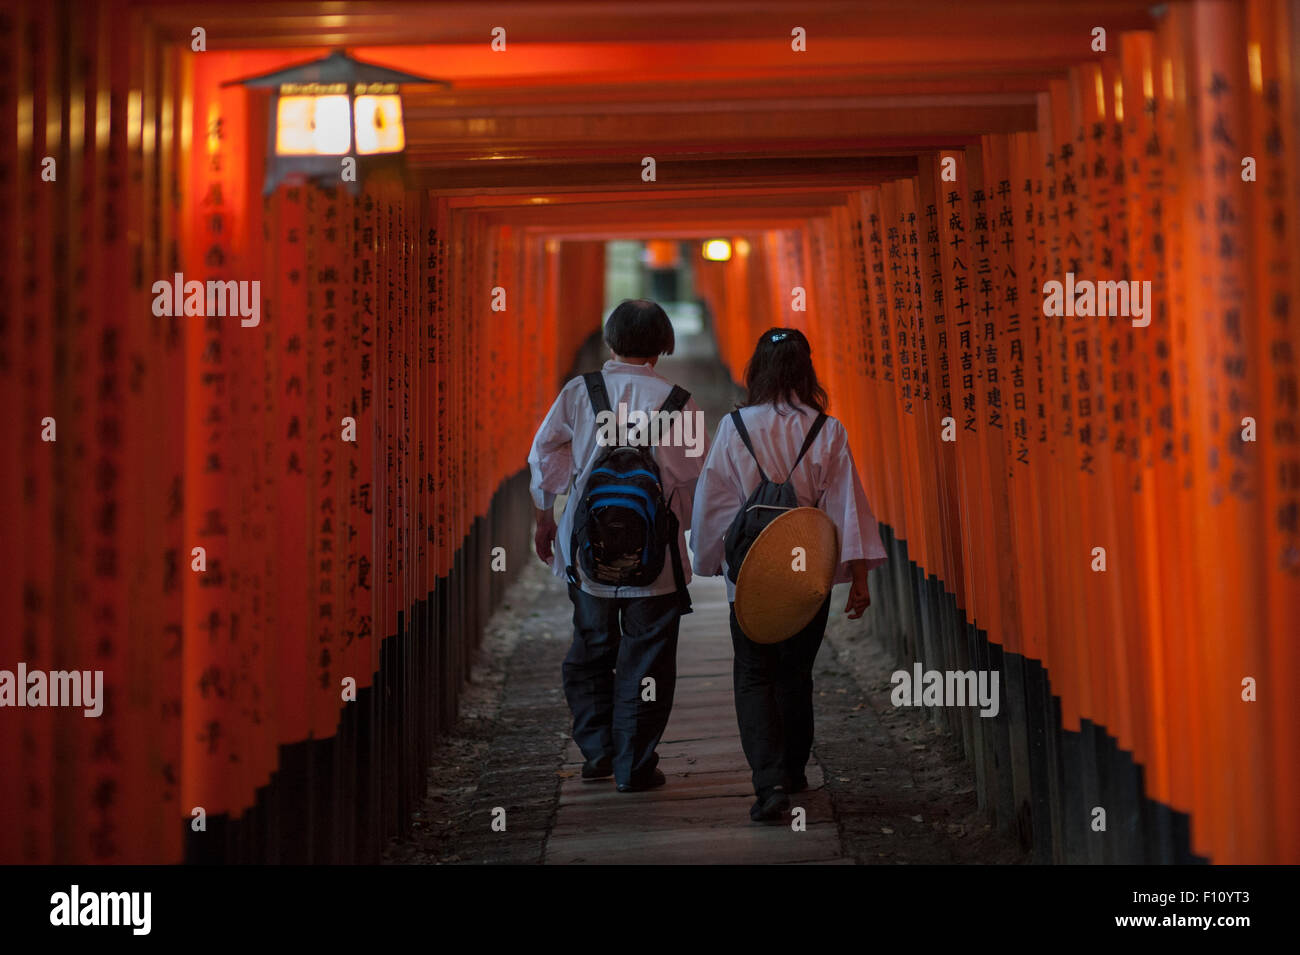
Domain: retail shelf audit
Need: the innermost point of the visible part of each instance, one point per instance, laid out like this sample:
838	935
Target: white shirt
565	449
826	478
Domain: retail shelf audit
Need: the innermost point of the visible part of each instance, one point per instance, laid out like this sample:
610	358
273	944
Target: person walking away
620	542
783	421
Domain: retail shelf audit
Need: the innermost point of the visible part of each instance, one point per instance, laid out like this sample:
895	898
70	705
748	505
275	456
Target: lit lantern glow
717	250
334	109
312	126
379	124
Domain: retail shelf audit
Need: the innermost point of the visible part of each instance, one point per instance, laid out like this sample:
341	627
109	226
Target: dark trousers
773	684
617	643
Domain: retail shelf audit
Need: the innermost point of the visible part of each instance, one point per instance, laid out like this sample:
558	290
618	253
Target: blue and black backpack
623	527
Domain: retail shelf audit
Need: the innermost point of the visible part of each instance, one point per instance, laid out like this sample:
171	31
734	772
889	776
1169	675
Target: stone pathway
702	814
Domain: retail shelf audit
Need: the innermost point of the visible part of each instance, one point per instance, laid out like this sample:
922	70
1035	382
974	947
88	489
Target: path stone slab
621	812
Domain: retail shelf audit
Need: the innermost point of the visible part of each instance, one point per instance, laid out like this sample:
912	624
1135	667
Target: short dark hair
781	369
639	328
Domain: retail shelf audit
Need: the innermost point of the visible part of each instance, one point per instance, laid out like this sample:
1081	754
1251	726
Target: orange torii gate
349	464
1069	435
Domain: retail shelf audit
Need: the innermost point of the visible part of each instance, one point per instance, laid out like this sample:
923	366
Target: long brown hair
781	369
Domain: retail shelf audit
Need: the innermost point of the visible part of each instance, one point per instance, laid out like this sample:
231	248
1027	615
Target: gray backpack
768	501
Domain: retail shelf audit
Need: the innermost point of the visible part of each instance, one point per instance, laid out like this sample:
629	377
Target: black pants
617	643
774	707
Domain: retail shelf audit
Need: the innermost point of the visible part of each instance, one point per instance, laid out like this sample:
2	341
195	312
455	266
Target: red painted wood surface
1074	433
922	296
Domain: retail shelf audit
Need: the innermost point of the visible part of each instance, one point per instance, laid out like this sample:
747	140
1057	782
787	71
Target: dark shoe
655	780
797	784
770	805
595	771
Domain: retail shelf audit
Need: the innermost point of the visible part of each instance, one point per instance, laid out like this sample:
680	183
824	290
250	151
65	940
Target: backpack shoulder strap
679	575
744	436
595	382
676	400
808	441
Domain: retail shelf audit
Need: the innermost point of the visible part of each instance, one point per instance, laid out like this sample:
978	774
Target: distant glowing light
214	129
717	250
1255	62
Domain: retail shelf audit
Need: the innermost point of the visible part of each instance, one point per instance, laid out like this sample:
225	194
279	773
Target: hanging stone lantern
333	120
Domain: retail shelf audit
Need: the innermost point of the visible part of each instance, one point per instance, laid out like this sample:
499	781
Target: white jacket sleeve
679	462
845	502
719	496
550	460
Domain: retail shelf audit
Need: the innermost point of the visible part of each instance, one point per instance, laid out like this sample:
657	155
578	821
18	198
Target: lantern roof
338	67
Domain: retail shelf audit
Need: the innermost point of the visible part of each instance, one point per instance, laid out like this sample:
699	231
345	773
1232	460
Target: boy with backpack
622	439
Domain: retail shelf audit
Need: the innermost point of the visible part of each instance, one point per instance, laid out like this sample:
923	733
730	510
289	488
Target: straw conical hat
778	592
